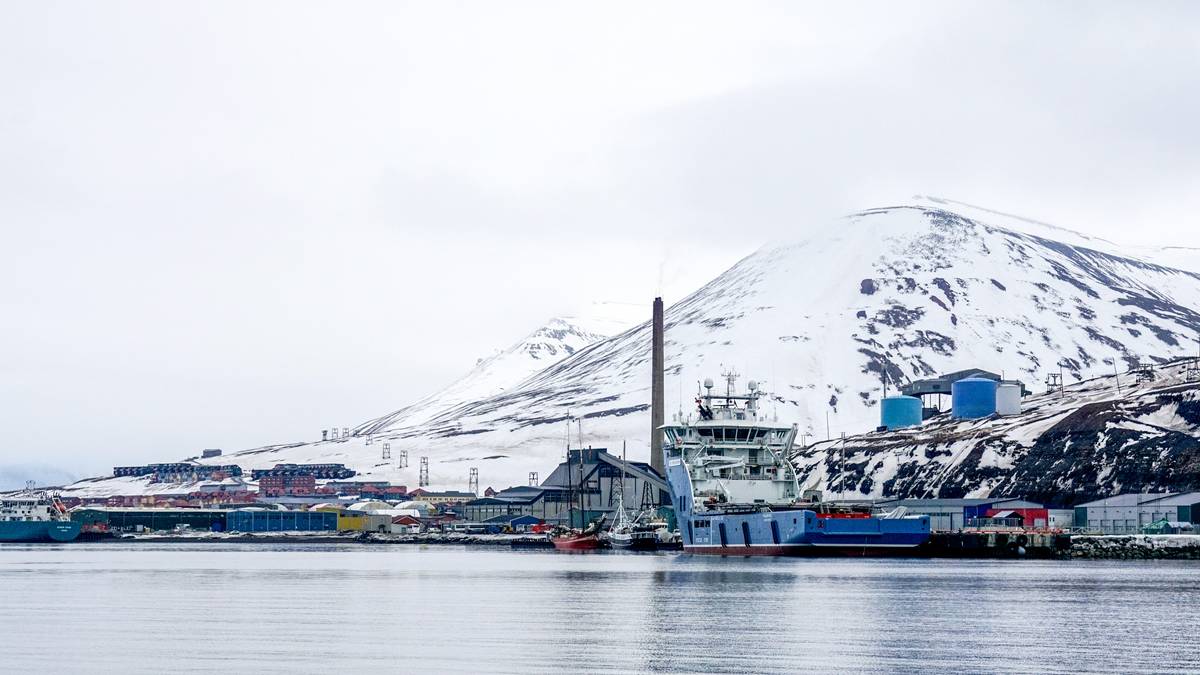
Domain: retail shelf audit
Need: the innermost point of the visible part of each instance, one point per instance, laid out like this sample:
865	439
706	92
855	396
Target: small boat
36	517
532	542
587	540
635	539
576	541
630	534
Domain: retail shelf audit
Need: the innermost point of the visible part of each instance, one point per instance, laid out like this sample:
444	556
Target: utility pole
842	467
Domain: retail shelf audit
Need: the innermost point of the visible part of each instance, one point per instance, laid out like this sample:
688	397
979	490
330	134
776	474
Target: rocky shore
1136	546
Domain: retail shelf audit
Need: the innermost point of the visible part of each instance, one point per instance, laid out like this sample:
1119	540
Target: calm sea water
358	609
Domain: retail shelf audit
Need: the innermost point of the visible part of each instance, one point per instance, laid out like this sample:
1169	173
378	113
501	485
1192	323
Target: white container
1008	399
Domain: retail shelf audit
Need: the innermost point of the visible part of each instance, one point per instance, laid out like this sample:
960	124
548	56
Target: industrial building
512	524
591	479
546	503
974	393
103	518
952	515
406	525
267	520
1133	512
440	497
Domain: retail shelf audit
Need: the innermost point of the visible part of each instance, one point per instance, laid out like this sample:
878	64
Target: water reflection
198	608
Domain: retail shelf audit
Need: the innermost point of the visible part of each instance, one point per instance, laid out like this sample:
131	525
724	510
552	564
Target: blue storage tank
897	412
972	398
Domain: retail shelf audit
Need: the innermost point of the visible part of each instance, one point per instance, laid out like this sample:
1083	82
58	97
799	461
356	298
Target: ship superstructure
736	492
35	517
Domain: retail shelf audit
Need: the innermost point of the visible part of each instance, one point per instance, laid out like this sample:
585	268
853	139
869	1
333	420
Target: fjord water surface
149	608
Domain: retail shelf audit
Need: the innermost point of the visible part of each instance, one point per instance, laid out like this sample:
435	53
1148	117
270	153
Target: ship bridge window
743	435
705	431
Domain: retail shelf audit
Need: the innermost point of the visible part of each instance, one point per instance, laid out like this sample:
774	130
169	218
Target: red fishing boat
576	541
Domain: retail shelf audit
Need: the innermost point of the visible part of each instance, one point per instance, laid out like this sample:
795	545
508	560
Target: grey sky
231	224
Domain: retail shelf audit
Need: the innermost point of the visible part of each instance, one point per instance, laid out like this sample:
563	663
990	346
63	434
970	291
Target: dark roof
508	519
1185	499
939	502
942	384
484	501
1128	499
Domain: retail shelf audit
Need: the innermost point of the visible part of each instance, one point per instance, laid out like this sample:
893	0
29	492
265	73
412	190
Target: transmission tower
1144	371
473	482
387	451
423	476
403	460
1191	372
370	438
533	478
1054	381
345	432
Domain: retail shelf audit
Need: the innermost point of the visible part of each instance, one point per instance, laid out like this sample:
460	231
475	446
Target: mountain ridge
893	293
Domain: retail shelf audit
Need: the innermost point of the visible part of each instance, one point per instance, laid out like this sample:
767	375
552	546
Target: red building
287	486
1031	518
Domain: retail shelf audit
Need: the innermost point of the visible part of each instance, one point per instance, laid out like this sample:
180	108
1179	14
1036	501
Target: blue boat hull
792	532
38	530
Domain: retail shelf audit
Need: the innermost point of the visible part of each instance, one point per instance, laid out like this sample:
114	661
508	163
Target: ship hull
801	533
628	543
805	550
788	531
577	543
38	531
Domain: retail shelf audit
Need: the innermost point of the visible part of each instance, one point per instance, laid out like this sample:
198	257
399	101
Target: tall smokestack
657	416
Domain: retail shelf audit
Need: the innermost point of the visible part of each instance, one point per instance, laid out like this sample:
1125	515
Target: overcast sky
231	224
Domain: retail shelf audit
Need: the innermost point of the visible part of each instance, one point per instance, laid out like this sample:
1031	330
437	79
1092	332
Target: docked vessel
735	491
33	518
630	533
627	533
586	540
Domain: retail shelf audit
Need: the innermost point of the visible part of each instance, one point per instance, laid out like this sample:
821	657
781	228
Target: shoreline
1081	547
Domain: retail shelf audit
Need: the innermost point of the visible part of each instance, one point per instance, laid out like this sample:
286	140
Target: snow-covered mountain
1104	436
899	293
553	342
